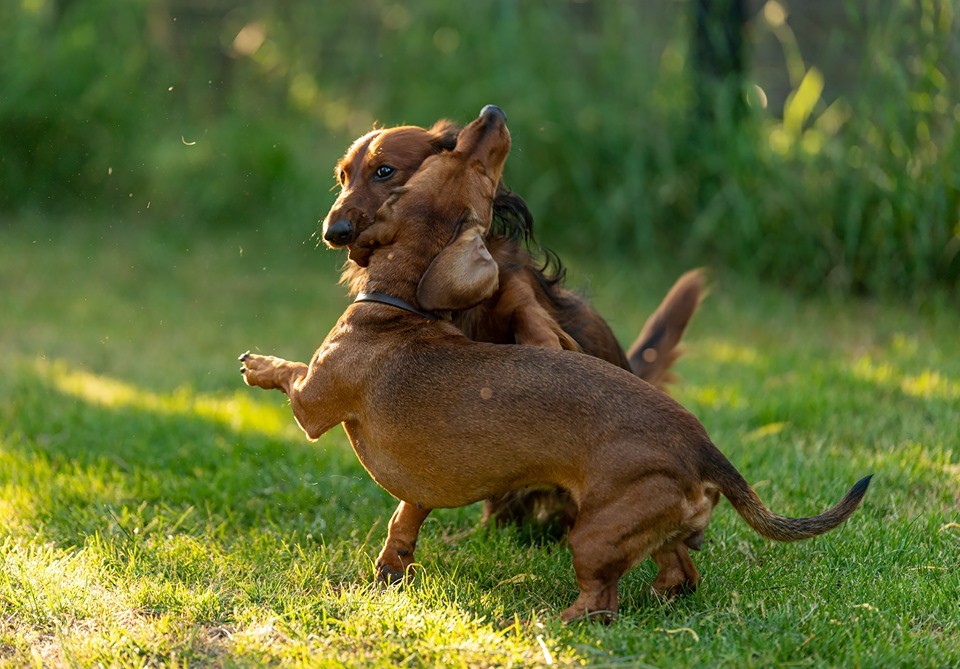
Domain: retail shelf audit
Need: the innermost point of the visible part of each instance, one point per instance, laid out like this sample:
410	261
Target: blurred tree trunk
719	73
719	60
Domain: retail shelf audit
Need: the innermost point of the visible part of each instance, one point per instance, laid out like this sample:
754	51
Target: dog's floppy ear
462	275
381	233
443	135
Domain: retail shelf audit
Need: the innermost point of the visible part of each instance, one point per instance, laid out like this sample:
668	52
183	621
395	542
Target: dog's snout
339	233
493	110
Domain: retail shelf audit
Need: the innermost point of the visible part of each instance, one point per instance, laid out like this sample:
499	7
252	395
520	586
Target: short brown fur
442	421
531	305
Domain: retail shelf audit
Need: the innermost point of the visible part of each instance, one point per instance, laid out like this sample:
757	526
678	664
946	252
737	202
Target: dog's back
517	415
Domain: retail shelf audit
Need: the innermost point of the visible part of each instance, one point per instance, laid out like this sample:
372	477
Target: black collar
384	298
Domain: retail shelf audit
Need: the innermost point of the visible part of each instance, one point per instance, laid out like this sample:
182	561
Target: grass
154	511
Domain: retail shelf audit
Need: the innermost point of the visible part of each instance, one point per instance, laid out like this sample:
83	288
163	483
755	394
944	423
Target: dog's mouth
358	254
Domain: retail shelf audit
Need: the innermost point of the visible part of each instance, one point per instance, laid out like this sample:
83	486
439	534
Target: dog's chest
394	473
424	469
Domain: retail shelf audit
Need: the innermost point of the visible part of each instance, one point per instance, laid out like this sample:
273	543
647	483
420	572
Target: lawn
155	511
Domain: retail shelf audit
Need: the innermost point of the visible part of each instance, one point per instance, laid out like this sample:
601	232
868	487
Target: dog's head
372	167
385	159
433	227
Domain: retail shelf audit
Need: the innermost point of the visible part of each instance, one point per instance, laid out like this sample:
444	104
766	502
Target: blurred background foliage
832	160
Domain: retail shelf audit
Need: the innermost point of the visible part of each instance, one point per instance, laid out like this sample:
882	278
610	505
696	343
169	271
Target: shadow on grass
202	475
90	445
174	490
181	479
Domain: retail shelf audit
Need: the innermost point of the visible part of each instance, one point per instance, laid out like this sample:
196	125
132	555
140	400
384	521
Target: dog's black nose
339	233
493	110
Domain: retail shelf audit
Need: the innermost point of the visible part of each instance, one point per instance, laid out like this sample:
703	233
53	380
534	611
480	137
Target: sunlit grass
240	411
927	384
155	511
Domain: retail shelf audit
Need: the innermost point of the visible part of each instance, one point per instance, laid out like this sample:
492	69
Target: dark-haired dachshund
441	421
530	307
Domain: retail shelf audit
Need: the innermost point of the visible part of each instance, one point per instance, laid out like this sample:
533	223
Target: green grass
154	511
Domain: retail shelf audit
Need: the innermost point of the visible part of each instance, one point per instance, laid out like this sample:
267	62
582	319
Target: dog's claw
244	356
389	576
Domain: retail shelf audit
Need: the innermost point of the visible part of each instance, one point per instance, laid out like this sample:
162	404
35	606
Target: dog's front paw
258	370
394	566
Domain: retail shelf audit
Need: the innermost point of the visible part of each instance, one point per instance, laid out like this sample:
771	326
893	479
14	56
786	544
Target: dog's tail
725	476
656	349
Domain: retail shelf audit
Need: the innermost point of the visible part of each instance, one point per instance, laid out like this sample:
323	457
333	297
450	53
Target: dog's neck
392	284
386	298
394	272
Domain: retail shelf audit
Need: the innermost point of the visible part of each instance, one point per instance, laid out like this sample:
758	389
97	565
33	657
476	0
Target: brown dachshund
442	421
530	305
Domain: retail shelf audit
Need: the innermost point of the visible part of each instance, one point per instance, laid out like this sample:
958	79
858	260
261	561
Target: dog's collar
384	298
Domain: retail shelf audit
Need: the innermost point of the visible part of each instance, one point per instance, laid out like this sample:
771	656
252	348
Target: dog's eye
384	172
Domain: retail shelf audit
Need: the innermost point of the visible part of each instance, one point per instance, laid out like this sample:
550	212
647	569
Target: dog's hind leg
676	573
610	537
396	558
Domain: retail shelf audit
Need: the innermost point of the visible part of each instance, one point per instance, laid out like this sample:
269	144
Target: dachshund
440	421
531	305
